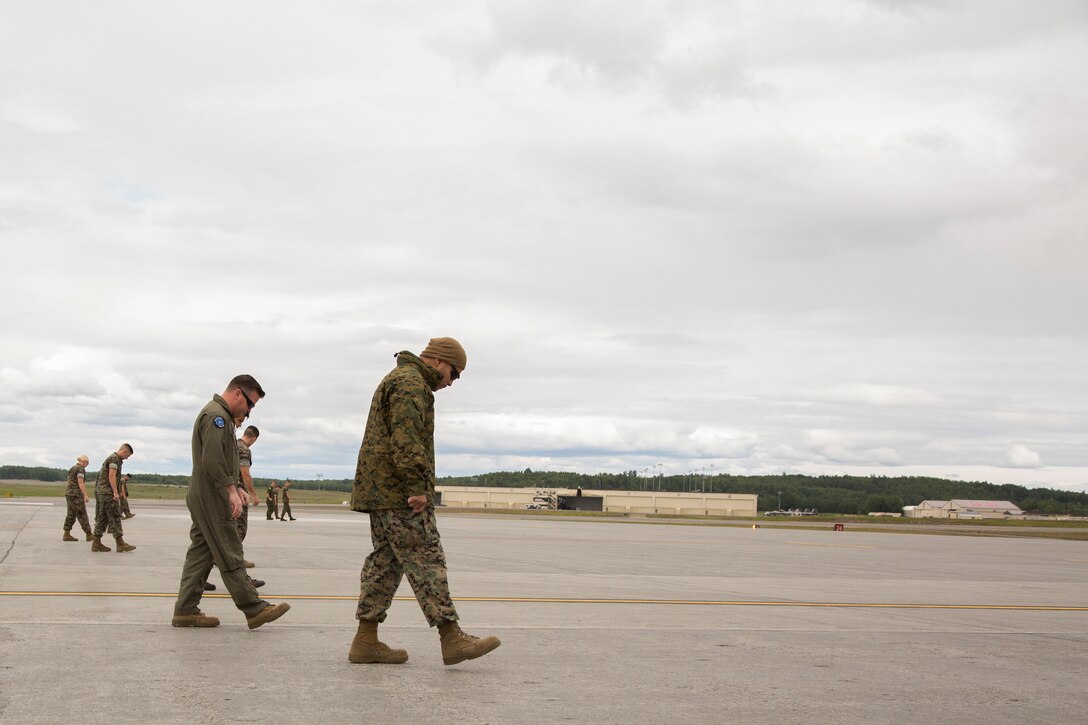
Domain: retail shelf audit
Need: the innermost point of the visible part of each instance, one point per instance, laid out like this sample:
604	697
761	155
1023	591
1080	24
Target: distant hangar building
627	502
963	509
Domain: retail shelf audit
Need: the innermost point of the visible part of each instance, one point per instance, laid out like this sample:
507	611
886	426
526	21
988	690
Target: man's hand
235	503
417	503
252	499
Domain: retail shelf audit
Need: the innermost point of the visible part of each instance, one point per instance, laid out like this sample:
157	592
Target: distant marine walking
75	495
286	513
123	488
272	500
107	495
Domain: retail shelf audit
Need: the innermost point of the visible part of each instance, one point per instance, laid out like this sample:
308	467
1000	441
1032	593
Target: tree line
827	494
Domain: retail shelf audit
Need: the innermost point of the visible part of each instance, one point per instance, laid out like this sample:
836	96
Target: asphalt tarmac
601	622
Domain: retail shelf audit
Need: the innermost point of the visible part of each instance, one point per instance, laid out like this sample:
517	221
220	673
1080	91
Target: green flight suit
214	533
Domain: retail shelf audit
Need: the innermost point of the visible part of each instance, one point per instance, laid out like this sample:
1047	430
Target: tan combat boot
458	646
366	648
269	614
90	536
194	620
97	545
122	547
68	536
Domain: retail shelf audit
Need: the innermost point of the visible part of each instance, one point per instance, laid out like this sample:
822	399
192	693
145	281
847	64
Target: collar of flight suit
226	408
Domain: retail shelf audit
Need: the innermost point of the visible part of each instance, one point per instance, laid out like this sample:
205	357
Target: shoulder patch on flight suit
219	422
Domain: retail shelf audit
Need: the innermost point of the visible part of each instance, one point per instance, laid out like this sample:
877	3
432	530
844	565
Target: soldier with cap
394	483
107	509
246	490
75	495
286	512
123	490
214	506
272	499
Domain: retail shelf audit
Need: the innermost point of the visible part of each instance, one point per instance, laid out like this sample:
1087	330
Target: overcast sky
837	236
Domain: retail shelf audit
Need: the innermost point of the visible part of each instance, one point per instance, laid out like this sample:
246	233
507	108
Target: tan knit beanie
448	350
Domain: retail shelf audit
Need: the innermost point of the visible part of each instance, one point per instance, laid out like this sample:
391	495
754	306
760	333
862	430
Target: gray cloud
694	234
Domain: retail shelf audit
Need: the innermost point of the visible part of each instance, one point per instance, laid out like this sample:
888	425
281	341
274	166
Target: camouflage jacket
396	459
103	484
75	473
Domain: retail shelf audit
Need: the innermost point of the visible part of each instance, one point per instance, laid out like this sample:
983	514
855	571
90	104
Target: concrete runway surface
601	622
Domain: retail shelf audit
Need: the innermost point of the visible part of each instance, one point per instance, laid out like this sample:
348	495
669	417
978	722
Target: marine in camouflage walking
394	483
286	512
122	488
272	499
75	495
107	495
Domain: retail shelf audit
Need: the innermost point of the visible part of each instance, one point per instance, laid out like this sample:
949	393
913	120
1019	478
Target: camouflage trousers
273	510
405	544
124	505
107	515
243	520
77	510
286	513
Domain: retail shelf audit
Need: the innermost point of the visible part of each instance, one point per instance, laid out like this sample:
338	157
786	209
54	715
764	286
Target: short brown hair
246	383
252	431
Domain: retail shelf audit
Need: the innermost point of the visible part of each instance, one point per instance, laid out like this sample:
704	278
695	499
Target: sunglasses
249	402
454	373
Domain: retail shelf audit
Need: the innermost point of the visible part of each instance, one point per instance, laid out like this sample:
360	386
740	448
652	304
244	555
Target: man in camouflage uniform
273	501
76	497
245	489
286	512
394	483
107	509
214	506
123	489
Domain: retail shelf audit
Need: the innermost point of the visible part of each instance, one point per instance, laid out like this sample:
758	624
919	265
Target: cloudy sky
745	236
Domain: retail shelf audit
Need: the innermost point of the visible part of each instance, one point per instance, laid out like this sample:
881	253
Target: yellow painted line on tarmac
564	600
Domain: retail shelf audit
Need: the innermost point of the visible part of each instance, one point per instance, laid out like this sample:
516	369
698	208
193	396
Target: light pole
779	500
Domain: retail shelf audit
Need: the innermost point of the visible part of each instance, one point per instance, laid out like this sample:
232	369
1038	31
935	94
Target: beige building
629	502
964	509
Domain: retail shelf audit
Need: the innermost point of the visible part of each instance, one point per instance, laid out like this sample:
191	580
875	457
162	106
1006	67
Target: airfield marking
563	600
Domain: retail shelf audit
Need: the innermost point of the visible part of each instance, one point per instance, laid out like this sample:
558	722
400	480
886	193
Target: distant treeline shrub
827	494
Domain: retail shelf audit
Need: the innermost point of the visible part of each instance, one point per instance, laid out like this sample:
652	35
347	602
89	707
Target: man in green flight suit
214	506
394	483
